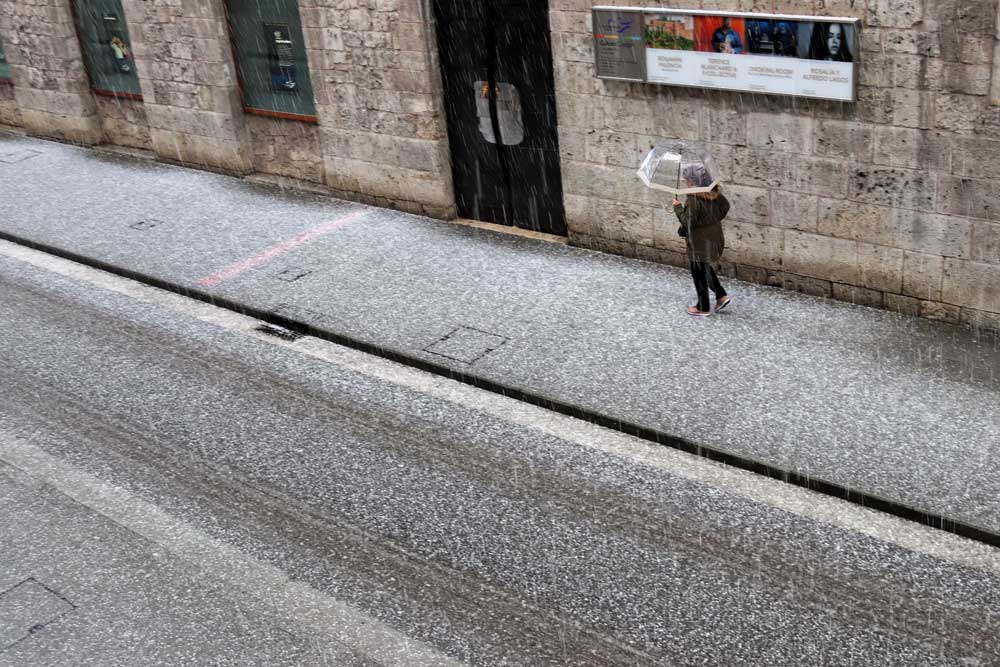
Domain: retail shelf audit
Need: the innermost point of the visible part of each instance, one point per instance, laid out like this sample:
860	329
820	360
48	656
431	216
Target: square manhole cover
27	608
466	344
19	156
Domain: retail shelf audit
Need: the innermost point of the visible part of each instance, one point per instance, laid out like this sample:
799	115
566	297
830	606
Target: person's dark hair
818	49
697	175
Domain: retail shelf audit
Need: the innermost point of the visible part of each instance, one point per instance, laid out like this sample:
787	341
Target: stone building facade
8	106
379	135
892	201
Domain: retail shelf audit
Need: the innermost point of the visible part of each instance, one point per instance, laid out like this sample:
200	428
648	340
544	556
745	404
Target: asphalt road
182	490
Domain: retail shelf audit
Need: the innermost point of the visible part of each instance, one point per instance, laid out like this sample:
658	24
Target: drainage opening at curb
466	344
279	332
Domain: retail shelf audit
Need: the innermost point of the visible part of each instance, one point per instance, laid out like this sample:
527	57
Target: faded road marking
279	249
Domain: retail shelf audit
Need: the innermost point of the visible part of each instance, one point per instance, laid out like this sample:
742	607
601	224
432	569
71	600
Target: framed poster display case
4	68
776	54
106	48
270	57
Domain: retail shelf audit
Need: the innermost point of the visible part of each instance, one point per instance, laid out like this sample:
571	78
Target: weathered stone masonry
378	95
892	202
8	106
380	136
51	86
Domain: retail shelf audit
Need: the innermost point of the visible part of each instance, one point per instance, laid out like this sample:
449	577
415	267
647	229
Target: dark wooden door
496	61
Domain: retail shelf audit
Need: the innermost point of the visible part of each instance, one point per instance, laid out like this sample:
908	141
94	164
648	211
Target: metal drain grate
279	332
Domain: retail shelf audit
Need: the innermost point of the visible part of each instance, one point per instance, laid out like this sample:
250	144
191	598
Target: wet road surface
478	538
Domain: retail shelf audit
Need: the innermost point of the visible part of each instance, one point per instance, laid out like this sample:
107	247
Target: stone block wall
51	94
383	134
893	201
188	82
285	148
123	122
8	106
51	86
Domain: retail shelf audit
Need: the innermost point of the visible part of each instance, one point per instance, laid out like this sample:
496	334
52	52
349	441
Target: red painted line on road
278	250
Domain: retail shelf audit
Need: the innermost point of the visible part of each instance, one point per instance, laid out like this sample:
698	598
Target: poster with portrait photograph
833	42
757	53
711	53
771	37
720	34
826	58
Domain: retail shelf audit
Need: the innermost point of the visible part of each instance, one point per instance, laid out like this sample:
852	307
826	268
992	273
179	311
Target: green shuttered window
4	67
106	48
271	58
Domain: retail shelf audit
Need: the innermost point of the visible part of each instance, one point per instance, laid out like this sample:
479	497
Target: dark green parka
702	216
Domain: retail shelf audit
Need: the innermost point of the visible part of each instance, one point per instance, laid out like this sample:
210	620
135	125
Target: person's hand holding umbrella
682	231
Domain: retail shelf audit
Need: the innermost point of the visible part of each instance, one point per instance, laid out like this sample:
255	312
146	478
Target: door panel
500	50
467	63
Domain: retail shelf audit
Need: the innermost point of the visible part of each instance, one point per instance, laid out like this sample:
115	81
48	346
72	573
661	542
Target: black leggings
705	277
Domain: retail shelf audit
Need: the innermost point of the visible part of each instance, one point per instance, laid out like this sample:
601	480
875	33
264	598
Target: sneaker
693	310
722	303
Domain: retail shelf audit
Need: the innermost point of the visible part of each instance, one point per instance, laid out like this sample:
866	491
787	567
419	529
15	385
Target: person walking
701	225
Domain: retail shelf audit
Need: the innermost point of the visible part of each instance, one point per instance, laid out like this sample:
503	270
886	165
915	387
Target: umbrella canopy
679	166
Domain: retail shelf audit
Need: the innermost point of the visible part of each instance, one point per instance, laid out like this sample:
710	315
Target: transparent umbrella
679	166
